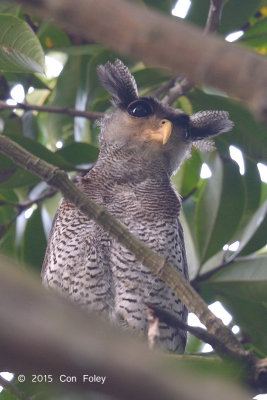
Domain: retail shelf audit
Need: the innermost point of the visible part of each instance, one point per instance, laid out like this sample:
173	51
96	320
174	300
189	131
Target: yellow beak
161	134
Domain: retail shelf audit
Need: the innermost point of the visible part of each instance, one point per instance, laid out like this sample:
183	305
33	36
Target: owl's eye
139	108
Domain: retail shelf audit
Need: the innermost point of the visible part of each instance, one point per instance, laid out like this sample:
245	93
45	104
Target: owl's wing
48	247
77	259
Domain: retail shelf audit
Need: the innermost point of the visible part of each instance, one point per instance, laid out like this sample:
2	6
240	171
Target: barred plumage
141	144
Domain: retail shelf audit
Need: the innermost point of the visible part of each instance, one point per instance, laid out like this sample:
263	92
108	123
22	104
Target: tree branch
143	33
58	179
42	332
56	110
212	24
214	16
200	333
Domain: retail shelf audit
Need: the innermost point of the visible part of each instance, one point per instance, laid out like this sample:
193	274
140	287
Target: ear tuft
205	124
119	82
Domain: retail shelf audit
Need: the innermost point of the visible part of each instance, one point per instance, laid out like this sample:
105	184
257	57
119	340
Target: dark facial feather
119	82
205	124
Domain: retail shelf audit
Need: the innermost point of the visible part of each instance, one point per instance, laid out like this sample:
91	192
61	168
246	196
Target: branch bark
55	110
44	333
142	33
58	179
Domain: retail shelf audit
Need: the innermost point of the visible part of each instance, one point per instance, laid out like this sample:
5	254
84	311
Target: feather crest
119	82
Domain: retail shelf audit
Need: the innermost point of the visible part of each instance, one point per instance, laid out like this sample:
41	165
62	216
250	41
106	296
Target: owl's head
153	129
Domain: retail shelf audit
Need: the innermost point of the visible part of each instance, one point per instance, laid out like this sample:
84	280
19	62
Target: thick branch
56	110
44	333
212	24
58	179
141	33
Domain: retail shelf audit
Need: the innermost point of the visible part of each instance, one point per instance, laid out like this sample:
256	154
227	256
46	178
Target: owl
142	143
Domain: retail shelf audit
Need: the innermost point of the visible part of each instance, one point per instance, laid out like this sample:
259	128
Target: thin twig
200	333
20	207
161	89
212	24
50	109
214	16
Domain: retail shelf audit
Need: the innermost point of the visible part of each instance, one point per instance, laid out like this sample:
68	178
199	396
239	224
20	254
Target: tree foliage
227	208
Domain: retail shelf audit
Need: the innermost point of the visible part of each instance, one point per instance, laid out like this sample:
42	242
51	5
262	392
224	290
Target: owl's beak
160	134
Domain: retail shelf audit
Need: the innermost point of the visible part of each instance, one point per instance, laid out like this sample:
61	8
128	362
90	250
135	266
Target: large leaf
245	277
252	182
149	77
251	316
18	178
190	246
219	208
235	13
61	126
256	225
243	287
254	237
12	176
79	153
41	151
34	241
51	36
256	36
188	176
7	211
20	50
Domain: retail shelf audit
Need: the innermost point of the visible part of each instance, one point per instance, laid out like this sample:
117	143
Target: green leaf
79	153
188	175
34	244
41	151
70	91
8	242
235	13
257	224
6	213
19	178
7	210
84	49
148	77
243	287
219	208
191	253
252	183
258	240
256	35
51	36
20	50
245	277
251	317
